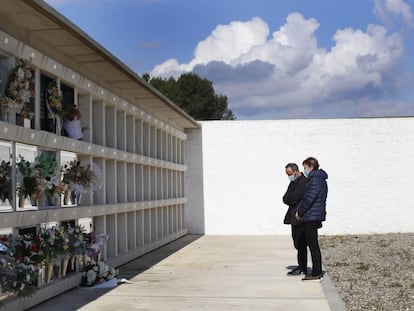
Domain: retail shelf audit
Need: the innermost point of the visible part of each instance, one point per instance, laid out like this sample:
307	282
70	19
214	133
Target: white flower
20	73
91	277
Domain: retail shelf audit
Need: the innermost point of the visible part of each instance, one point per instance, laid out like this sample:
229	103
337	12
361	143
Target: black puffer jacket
313	204
292	197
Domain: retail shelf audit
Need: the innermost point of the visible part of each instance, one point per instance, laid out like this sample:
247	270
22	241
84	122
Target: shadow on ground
78	297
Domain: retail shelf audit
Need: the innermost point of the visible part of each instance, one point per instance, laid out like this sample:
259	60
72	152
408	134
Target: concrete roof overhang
37	24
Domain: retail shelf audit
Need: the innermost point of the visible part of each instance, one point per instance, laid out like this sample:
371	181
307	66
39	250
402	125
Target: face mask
305	172
292	177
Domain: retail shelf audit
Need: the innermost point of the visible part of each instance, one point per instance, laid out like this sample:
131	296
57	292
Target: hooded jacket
313	204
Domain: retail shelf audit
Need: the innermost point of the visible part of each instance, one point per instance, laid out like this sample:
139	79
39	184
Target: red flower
34	248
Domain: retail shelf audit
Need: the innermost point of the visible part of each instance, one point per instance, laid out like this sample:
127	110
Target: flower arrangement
75	240
55	98
81	178
21	258
95	242
52	243
39	179
26	179
97	272
20	89
5	181
21	277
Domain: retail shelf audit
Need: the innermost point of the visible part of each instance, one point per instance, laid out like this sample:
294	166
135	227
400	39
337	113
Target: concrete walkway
208	273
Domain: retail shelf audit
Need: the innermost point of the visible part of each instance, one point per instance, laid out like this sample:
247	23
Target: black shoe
314	278
295	271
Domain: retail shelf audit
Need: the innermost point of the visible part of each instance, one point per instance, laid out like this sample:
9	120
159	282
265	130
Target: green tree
194	95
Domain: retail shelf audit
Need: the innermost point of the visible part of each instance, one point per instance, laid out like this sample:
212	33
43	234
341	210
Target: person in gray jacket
312	212
292	197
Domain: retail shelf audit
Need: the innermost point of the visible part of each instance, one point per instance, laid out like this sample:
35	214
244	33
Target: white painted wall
242	179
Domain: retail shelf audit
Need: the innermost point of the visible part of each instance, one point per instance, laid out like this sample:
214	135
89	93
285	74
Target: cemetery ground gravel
372	271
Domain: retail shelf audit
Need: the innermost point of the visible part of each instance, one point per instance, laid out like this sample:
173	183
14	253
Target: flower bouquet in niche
97	272
24	269
76	247
19	91
53	246
80	179
40	180
54	105
94	270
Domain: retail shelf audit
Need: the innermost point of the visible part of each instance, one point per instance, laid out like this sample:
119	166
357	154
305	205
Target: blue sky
273	59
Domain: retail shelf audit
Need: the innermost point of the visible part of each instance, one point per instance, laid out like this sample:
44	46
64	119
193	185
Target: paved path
208	273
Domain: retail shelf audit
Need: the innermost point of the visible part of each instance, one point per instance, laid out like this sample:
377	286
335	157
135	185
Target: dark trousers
311	234
299	241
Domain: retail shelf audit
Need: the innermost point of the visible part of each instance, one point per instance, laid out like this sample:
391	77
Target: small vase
27	123
57	268
21	201
41	275
66	198
78	197
45	201
65	263
42	201
49	272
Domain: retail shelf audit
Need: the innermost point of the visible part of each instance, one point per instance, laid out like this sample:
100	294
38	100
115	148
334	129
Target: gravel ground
372	272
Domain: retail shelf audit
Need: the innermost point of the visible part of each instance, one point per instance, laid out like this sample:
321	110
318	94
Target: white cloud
226	43
390	11
288	75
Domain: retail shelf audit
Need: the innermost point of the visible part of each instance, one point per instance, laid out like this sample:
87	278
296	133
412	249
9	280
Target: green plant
42	177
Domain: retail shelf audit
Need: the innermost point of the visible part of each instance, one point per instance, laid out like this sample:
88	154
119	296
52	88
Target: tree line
194	95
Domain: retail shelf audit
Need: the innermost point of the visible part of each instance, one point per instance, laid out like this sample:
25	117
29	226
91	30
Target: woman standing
312	211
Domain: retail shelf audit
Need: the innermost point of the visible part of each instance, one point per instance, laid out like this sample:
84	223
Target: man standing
312	211
292	197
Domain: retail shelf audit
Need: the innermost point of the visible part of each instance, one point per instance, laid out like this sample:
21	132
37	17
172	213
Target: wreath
55	99
20	89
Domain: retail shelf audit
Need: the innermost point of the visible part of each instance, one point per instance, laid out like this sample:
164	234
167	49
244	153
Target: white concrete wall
369	163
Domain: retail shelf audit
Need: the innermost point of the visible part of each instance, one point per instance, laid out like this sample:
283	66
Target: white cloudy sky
360	65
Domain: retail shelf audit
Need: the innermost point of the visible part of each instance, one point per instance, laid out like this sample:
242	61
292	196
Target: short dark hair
293	166
311	162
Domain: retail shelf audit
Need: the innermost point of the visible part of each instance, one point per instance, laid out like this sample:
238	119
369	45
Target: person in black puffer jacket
312	212
292	197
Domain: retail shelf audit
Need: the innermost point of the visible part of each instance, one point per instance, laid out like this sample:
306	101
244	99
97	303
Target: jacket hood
319	173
